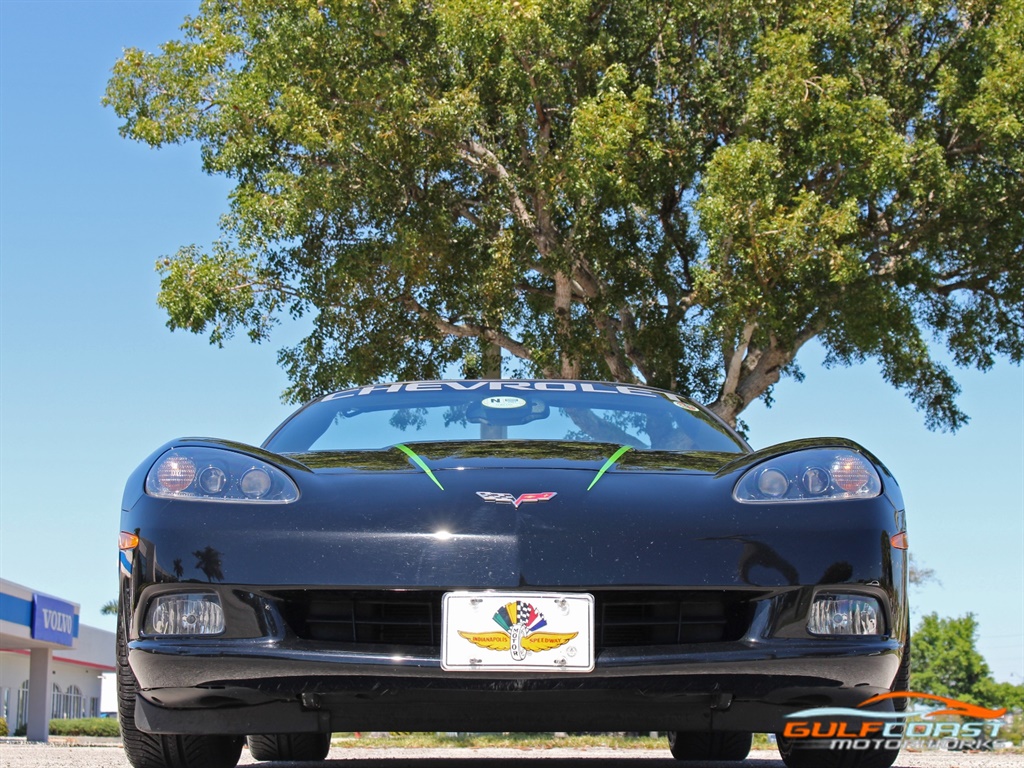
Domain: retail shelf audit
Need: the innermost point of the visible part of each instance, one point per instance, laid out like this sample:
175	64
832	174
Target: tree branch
760	369
614	357
481	157
669	204
734	360
563	321
474	330
629	331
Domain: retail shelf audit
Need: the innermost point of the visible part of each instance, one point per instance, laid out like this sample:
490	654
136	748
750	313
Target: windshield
377	417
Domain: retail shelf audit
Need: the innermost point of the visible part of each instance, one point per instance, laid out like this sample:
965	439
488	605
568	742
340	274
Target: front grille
622	618
372	618
675	619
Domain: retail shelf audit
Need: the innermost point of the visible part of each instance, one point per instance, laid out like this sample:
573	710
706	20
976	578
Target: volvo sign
53	621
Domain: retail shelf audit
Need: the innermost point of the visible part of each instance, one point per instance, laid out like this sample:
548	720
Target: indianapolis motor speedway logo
519	622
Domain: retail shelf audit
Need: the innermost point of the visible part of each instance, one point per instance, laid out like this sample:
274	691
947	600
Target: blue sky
91	381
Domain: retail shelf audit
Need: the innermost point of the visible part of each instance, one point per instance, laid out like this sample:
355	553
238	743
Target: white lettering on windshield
494	386
554	386
635	391
521	386
458	386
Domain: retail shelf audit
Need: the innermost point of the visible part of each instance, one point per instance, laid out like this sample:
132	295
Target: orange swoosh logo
953	706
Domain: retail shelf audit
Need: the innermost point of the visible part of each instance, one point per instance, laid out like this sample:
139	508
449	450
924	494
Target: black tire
709	745
150	750
296	747
902	681
796	754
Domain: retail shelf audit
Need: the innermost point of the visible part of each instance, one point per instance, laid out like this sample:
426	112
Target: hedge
86	726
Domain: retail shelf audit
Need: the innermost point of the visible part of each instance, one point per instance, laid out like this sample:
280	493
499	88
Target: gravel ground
63	755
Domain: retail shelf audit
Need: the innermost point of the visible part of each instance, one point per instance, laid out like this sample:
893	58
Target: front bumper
283	683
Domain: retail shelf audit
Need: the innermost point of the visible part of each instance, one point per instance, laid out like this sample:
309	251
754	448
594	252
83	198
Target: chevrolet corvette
504	556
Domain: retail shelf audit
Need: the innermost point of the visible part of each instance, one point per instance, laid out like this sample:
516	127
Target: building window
59	705
75	702
23	705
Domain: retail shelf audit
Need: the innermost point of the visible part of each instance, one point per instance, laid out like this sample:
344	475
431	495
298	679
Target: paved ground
64	756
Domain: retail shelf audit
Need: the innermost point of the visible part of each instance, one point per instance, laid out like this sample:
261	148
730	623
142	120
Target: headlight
820	474
209	474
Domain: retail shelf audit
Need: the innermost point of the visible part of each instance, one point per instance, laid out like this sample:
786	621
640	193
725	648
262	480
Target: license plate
517	632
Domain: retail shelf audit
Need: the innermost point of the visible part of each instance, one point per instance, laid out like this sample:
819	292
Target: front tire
151	750
709	745
797	755
902	681
292	747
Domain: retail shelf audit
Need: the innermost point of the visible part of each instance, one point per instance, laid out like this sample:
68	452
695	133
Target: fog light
845	615
192	614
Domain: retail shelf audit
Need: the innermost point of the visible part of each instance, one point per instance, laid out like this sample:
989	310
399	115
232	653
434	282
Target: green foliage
947	663
85	726
684	193
993	694
1014	732
3	726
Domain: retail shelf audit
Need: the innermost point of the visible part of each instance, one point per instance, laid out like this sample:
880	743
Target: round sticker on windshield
686	406
503	402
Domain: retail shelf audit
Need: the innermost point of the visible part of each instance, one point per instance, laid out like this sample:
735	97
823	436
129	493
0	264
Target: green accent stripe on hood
419	462
607	465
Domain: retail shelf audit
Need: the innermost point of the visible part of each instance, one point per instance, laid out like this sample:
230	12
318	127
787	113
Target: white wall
80	668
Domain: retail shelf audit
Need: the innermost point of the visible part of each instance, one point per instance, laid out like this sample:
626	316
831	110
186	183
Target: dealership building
51	666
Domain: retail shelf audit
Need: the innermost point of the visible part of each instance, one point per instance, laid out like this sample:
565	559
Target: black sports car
504	556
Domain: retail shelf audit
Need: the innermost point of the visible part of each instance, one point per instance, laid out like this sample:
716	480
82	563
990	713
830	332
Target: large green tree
683	192
946	662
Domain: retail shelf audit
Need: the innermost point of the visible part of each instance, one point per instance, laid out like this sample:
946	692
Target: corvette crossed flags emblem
508	498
